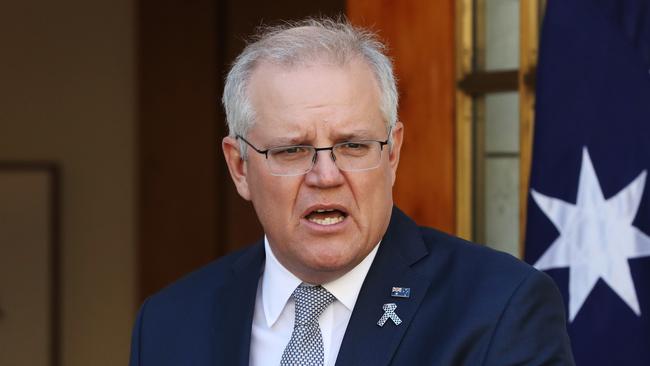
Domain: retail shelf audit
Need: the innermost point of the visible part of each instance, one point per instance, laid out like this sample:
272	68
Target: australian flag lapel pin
403	292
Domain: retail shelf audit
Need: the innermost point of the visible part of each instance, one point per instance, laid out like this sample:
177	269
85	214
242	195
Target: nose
324	173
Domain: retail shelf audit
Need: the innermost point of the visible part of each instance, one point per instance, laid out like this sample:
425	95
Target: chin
331	262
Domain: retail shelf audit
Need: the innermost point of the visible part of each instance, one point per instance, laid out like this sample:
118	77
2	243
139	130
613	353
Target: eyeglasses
349	156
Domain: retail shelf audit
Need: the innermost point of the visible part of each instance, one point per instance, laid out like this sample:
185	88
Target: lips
325	215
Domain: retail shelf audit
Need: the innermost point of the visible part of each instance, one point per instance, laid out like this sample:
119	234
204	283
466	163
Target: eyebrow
287	141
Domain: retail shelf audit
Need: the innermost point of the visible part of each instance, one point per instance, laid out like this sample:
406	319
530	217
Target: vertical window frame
472	85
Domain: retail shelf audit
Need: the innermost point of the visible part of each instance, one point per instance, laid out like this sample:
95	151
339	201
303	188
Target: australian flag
589	204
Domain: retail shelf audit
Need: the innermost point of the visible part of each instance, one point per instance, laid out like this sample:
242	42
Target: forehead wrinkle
294	136
360	133
334	134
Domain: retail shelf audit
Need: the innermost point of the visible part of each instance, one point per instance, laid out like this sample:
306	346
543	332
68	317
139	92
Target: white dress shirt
274	310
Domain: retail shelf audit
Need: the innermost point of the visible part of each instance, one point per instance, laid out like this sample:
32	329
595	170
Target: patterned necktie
306	344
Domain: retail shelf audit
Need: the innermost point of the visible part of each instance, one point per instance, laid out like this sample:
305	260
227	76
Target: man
342	277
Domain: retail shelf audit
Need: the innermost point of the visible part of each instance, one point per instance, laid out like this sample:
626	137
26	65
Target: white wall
67	90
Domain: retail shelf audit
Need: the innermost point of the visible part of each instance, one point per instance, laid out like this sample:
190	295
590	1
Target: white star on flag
596	237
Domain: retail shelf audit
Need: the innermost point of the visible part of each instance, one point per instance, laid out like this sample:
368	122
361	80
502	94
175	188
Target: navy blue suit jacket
469	305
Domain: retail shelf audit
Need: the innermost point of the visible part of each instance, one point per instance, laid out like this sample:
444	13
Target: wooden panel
528	49
420	34
464	147
177	139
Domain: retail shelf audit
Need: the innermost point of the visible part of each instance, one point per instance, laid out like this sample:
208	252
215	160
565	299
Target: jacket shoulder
490	307
471	260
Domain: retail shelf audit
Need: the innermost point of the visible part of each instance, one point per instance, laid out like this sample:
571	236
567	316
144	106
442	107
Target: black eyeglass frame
316	149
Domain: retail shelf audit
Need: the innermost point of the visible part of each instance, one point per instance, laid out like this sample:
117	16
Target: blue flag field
588	222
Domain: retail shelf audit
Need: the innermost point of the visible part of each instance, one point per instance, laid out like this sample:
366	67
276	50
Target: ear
236	166
393	157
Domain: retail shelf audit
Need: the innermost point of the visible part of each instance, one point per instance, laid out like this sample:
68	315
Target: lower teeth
327	221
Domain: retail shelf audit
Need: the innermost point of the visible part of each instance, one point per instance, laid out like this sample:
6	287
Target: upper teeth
328	210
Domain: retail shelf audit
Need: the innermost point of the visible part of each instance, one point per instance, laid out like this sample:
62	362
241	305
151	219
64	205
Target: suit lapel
366	343
234	309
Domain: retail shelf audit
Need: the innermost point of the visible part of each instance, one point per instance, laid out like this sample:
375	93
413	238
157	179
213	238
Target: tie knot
311	301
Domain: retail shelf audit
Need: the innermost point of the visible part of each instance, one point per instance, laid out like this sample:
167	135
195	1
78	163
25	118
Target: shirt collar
278	283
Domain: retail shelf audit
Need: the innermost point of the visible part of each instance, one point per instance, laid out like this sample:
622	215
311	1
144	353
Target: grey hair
296	43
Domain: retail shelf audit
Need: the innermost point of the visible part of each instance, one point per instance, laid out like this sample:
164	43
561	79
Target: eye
354	148
352	145
290	152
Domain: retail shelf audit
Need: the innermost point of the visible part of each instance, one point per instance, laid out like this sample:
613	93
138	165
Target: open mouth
326	216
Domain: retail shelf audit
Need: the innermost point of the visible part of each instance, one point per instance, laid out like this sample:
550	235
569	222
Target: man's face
319	105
